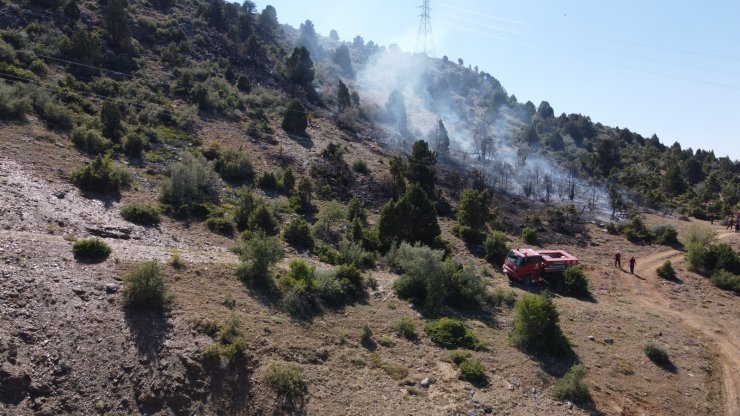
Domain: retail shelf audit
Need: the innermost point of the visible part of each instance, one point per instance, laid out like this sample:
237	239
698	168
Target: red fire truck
529	266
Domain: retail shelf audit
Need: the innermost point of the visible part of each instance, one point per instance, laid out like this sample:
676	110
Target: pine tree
110	117
343	98
295	119
342	58
116	23
413	218
421	167
443	139
300	67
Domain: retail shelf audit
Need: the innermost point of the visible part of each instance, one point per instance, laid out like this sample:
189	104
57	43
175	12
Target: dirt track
722	335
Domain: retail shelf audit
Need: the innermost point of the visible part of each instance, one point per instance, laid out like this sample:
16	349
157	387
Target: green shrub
451	334
297	233
496	247
221	225
666	271
501	297
55	115
405	327
468	234
575	282
473	212
571	387
412	218
91	249
366	337
352	253
245	206
430	283
529	235
351	281
230	340
473	372
263	220
700	235
360	166
259	255
329	289
657	354
145	215
326	254
134	144
726	280
14	102
298	301
102	175
636	231
235	166
464	287
295	119
536	327
144	287
423	279
268	181
458	357
665	235
721	257
300	198
287	380
287	181
90	141
191	181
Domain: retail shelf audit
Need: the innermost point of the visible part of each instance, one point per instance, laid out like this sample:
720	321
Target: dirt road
723	335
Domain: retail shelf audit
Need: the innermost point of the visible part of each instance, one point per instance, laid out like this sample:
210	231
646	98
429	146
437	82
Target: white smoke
413	75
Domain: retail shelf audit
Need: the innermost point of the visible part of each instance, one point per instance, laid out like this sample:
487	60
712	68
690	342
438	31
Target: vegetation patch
536	327
572	387
474	372
91	249
451	333
145	215
406	328
657	354
726	280
298	233
222	226
496	247
529	235
666	271
102	175
287	380
575	282
144	287
259	255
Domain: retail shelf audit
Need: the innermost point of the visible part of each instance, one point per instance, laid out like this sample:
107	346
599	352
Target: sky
666	67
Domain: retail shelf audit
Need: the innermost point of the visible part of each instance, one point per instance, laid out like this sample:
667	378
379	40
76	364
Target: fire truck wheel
527	280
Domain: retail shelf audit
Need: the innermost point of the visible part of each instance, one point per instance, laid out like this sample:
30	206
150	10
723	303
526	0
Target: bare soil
67	346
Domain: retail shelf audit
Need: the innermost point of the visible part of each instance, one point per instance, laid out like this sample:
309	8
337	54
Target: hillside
207	212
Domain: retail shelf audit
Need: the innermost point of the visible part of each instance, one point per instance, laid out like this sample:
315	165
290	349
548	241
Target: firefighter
618	260
632	264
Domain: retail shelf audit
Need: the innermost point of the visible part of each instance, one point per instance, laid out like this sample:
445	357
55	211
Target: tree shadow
677	280
231	385
107	199
559	362
668	366
149	329
304	141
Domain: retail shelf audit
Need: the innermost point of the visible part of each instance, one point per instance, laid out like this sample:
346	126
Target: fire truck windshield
516	260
